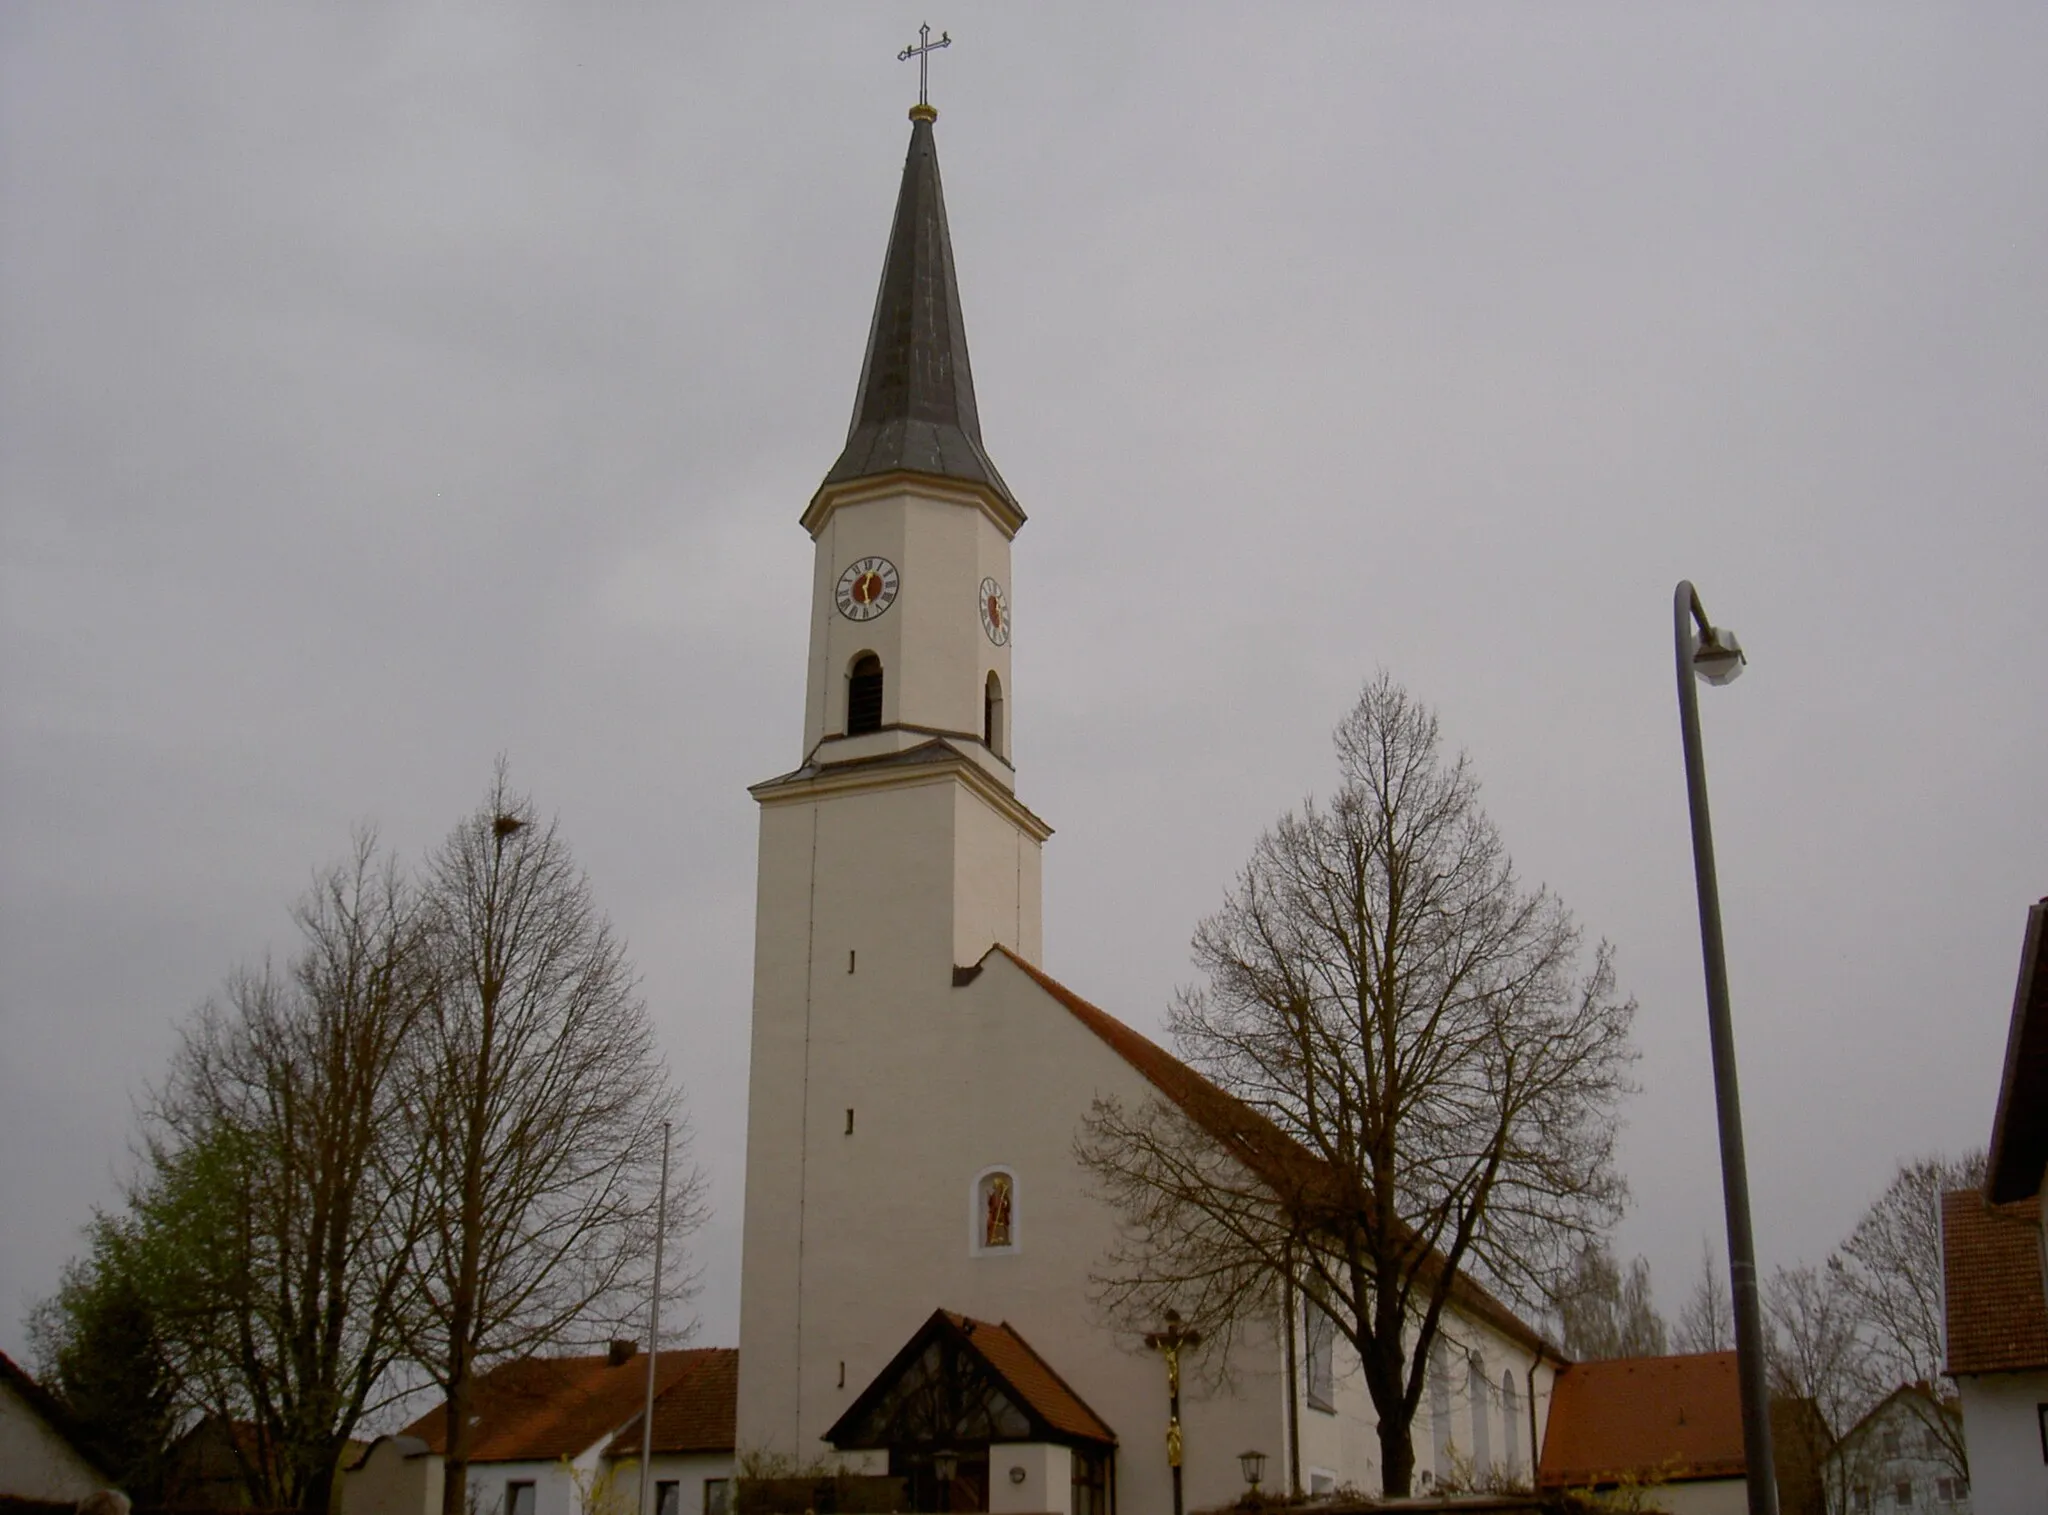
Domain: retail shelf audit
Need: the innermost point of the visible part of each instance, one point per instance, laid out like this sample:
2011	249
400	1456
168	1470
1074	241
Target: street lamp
1254	1466
1168	1342
1714	656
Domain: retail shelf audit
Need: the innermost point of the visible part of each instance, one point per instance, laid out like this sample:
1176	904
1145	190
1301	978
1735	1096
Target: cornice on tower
914	412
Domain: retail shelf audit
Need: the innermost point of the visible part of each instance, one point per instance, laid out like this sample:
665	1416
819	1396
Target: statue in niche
995	1202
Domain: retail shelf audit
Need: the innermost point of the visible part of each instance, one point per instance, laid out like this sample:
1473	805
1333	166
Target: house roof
962	1379
537	1409
914	411
1254	1138
1922	1402
52	1410
1669	1418
1991	1267
695	1413
2019	1129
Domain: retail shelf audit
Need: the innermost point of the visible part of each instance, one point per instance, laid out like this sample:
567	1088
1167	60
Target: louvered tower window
864	695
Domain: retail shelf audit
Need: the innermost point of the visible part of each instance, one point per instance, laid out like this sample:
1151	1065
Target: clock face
867	588
995	612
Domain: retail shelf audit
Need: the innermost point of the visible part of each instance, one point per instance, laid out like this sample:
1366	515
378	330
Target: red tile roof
1664	1418
1260	1144
1991	1264
695	1413
1033	1378
537	1409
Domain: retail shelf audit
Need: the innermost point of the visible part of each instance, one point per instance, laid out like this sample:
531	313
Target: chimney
622	1351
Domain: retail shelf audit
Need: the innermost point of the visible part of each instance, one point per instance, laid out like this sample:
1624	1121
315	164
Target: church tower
894	855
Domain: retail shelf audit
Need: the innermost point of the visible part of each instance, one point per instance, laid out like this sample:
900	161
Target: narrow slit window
864	695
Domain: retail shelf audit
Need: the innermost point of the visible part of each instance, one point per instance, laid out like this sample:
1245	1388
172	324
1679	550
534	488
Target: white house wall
35	1462
2002	1429
687	1472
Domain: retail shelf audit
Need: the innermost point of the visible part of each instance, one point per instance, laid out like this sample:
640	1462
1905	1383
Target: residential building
1902	1455
1671	1426
42	1454
561	1436
1995	1265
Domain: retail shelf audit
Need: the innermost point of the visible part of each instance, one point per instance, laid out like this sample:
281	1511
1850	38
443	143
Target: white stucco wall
396	1477
688	1472
2002	1431
554	1483
1701	1496
35	1462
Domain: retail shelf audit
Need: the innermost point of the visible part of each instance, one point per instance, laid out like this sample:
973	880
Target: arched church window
994	1217
1511	1422
1482	1421
992	714
864	695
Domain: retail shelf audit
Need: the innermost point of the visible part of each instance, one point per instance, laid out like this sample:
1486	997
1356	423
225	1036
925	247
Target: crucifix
1169	1343
922	52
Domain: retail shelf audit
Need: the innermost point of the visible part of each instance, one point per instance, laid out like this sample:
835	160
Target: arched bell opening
992	734
864	695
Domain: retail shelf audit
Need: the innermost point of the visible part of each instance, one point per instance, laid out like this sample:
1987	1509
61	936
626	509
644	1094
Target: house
42	1454
1672	1422
919	1081
1994	1254
561	1436
1904	1454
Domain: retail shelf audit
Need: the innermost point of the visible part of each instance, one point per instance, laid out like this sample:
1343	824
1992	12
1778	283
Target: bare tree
275	1214
538	1102
1706	1322
1891	1268
1421	1071
1811	1340
1607	1312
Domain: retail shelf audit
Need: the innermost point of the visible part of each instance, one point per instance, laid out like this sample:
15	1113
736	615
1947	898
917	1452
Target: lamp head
1254	1466
1717	656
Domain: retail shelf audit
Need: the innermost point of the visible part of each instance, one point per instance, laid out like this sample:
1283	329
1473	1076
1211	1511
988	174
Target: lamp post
1715	656
1168	1343
1253	1465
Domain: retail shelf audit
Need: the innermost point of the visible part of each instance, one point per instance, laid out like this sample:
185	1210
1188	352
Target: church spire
915	410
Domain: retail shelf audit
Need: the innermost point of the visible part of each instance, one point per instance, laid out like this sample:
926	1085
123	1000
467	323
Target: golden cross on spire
922	52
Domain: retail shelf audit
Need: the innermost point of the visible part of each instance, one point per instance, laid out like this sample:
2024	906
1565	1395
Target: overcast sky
383	389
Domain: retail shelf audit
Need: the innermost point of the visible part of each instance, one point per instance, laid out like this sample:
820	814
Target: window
519	1499
1320	1482
1319	1354
1859	1499
1902	1491
864	695
1890	1444
1482	1427
992	715
1511	1422
1439	1407
668	1497
717	1496
1945	1491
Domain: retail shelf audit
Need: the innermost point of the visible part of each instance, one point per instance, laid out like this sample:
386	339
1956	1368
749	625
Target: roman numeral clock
867	588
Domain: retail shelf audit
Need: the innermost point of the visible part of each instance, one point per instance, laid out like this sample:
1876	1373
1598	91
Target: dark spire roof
915	408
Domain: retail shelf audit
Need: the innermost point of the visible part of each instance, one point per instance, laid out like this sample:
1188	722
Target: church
919	1235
